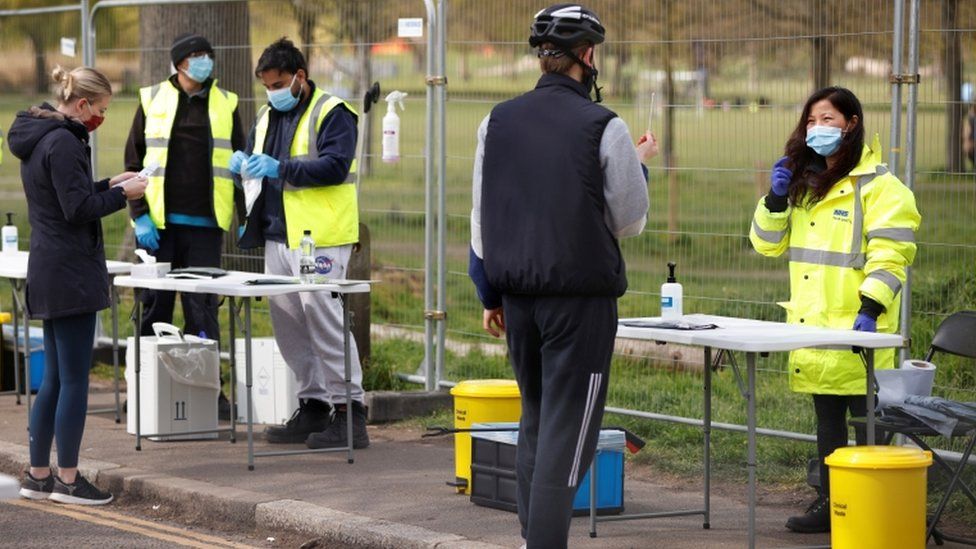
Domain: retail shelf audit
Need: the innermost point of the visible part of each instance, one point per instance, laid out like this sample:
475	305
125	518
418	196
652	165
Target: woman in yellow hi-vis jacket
849	227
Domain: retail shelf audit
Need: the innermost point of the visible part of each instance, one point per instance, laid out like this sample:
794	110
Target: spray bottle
9	234
671	296
391	127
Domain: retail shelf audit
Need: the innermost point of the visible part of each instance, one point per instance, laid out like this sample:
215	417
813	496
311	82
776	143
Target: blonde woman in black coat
67	283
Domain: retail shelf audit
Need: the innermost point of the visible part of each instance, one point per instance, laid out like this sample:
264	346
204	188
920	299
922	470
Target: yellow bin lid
879	457
487	388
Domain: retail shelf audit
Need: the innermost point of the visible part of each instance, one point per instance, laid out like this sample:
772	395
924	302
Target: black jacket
66	272
542	195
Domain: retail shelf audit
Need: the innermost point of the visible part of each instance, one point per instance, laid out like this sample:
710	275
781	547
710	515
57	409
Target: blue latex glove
864	323
780	178
262	165
146	234
240	231
237	161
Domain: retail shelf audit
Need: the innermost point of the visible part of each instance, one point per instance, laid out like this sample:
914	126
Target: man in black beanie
189	127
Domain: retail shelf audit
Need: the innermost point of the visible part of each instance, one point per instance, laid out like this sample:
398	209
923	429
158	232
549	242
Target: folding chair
956	335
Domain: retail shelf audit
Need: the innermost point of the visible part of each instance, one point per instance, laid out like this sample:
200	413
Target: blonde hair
80	83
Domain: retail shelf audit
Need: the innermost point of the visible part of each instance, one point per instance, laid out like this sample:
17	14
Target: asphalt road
30	524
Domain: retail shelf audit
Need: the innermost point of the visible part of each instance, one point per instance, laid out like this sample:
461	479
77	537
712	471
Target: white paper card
410	27
68	46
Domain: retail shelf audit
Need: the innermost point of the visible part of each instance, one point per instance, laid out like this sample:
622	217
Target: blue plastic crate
493	481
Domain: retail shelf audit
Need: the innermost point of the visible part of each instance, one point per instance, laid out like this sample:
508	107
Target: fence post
428	364
909	179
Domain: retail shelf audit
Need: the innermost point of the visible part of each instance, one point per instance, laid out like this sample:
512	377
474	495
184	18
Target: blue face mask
200	68
824	140
282	100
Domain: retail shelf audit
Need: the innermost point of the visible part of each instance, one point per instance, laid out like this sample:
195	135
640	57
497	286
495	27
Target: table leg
869	395
593	497
15	305
233	372
137	355
348	368
707	432
115	349
248	381
27	346
751	426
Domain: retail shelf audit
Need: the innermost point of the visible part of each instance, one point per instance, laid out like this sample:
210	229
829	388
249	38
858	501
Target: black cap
185	44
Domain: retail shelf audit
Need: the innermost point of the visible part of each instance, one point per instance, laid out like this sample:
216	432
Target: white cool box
273	384
180	382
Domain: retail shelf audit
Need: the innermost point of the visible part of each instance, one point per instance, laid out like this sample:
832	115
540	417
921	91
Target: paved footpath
393	496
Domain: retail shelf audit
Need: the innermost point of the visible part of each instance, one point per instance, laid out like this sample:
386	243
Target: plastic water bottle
672	296
306	265
9	233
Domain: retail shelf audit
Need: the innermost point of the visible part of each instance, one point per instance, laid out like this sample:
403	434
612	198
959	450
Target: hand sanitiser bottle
391	127
9	235
671	296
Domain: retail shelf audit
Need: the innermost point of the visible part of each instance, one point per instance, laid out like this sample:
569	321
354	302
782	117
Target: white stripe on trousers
594	389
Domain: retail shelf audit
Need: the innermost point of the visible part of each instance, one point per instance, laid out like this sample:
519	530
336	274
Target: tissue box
150	270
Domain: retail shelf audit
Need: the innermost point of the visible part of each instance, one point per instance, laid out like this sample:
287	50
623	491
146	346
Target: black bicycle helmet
566	26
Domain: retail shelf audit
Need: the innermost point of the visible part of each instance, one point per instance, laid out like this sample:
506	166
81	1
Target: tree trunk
952	53
823	48
225	25
41	77
668	149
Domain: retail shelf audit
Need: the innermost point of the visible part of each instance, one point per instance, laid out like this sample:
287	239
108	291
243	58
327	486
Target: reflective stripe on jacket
331	212
857	241
159	103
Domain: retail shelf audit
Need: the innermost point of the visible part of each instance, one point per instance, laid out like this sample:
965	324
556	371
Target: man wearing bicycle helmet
557	181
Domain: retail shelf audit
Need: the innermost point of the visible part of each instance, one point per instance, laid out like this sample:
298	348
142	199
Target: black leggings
832	430
62	401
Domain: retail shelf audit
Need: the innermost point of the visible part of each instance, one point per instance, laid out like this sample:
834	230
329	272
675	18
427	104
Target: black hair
281	55
811	181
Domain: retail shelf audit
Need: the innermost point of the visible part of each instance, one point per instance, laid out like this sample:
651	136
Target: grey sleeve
625	187
479	156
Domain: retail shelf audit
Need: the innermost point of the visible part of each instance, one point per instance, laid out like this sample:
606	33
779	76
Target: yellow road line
165	528
108	519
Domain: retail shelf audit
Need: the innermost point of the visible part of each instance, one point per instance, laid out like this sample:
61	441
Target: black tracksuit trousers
560	350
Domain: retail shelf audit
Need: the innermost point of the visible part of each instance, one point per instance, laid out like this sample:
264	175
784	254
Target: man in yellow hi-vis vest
302	150
190	128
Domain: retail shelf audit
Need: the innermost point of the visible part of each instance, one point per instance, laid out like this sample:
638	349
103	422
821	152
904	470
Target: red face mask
94	121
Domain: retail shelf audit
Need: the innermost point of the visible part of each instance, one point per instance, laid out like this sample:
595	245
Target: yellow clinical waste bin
877	497
480	401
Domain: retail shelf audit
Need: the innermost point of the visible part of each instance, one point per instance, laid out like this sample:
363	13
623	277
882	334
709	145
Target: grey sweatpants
308	326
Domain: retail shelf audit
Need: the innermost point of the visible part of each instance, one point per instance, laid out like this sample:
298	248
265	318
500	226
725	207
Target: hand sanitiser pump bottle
9	235
671	296
391	127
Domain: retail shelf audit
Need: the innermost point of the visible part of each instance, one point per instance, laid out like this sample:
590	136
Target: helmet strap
590	75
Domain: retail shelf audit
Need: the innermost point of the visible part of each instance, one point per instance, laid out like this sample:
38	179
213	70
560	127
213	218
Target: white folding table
235	286
751	337
13	267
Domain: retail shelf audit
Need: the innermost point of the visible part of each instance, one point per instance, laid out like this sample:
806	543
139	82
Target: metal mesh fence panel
728	80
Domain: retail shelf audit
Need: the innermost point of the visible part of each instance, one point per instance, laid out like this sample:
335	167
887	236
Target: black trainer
80	492
815	521
311	416
36	488
335	435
